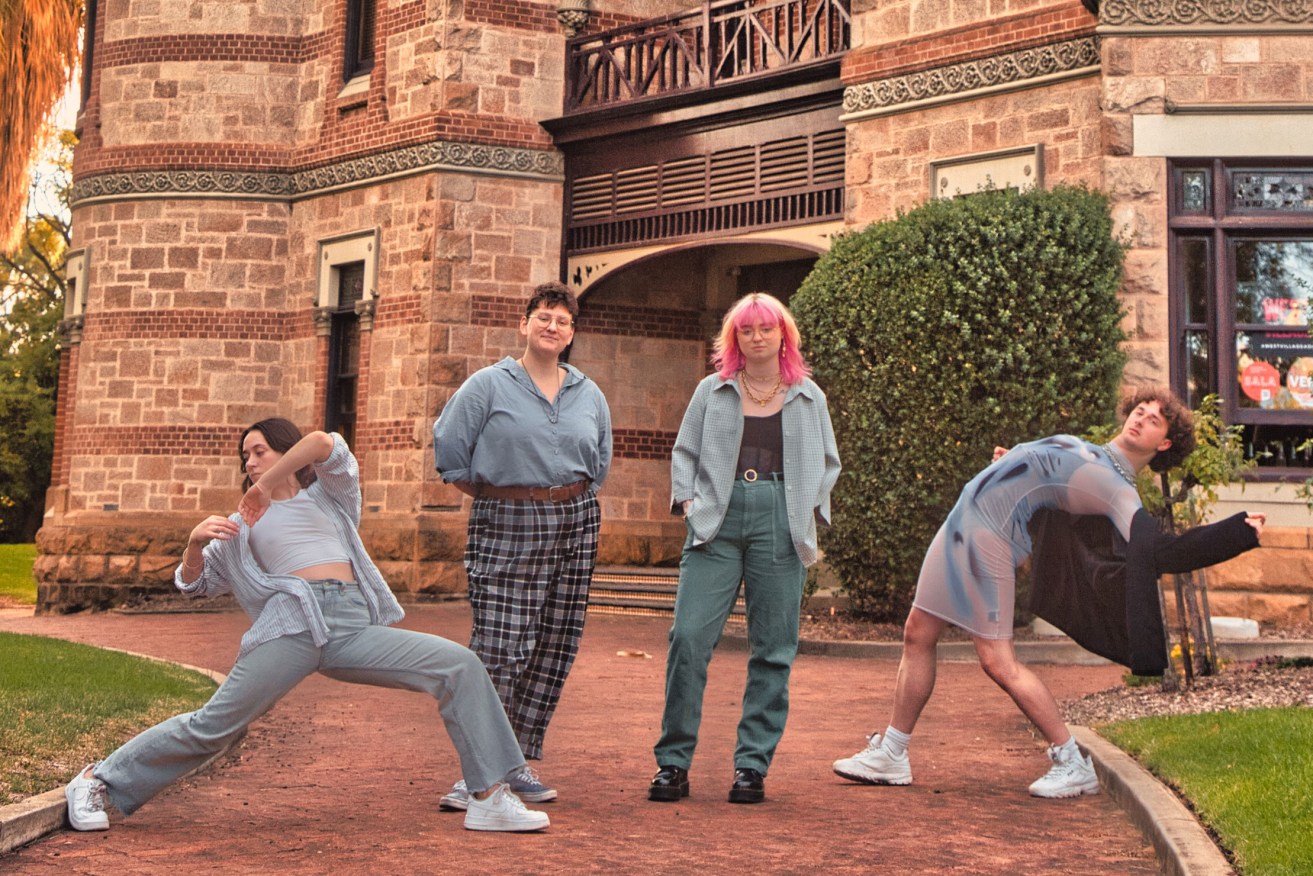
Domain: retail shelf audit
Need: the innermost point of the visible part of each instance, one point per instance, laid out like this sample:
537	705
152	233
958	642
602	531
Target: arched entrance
647	320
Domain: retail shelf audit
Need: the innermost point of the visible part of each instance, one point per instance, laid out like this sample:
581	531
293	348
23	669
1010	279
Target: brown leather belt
533	494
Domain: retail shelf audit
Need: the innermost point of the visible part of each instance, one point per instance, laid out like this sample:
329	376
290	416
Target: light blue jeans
355	652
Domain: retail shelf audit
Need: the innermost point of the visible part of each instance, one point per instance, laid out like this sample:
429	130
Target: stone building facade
270	220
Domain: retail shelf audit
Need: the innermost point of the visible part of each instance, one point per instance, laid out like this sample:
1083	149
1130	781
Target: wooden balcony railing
702	48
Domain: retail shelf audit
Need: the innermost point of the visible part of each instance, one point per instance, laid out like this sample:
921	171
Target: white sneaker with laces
86	801
1070	776
457	799
529	788
875	766
502	810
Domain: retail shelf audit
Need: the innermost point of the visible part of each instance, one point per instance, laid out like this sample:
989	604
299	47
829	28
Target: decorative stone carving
357	171
70	330
1010	68
324	321
1168	13
573	15
365	308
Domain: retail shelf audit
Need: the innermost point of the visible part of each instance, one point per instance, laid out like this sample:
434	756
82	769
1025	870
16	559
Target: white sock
895	741
1068	749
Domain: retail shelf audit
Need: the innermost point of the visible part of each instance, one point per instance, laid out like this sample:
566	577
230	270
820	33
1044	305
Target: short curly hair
1180	424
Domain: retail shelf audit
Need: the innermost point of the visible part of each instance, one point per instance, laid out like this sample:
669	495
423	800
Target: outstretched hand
999	452
212	528
1256	521
253	504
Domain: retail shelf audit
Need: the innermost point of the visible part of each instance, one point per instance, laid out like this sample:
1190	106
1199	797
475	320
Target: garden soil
344	779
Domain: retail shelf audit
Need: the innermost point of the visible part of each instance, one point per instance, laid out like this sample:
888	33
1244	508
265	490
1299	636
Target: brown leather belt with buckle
533	494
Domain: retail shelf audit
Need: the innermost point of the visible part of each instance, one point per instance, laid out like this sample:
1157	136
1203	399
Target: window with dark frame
1242	285
359	39
88	47
344	354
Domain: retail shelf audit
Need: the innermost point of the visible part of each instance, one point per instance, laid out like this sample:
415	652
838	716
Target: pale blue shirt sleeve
499	429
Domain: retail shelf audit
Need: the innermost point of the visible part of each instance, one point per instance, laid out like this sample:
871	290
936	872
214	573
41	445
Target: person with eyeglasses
751	473
529	438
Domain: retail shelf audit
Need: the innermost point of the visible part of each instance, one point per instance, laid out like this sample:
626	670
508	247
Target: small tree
32	286
963	324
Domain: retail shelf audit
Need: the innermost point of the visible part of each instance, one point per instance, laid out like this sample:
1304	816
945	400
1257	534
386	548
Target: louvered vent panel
828	154
590	197
636	189
683	182
733	174
784	164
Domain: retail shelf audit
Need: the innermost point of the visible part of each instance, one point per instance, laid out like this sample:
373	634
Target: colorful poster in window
1274	370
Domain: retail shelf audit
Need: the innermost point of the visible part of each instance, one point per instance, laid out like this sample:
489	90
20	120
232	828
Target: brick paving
345	779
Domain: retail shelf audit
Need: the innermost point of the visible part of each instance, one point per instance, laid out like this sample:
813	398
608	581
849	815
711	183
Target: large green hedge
962	325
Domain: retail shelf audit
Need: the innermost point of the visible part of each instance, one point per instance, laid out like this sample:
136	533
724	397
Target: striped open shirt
282	605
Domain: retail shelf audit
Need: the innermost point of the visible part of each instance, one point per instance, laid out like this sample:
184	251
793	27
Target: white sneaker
86	802
529	788
1070	776
503	811
458	798
875	766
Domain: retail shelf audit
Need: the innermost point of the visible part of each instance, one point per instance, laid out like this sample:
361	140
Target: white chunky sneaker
1070	776
529	788
86	801
875	766
458	798
503	811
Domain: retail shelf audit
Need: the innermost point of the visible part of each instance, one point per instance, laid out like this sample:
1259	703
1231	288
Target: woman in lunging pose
293	558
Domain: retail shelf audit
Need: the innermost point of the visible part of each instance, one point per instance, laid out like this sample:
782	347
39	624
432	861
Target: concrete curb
33	818
1057	650
1182	845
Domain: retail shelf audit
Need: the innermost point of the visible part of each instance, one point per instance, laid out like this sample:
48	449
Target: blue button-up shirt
705	459
500	429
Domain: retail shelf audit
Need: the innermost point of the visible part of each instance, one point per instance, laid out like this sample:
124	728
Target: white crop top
295	534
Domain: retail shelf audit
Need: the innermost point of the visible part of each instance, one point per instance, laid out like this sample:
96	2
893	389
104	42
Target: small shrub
963	324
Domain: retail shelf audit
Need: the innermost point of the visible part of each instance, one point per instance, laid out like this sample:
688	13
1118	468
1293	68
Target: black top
763	444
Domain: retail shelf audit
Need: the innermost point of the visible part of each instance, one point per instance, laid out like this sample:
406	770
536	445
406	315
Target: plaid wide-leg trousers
529	566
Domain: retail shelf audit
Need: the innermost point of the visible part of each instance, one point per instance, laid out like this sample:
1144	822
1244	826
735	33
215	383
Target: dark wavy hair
280	435
1180	424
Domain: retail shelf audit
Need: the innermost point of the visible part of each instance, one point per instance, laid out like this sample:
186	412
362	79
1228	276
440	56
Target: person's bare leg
884	761
998	658
916	670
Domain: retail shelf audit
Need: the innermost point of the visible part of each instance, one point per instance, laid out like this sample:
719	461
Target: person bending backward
752	470
530	440
293	559
969	574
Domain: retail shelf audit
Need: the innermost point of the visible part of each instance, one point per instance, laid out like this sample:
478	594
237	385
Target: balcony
709	47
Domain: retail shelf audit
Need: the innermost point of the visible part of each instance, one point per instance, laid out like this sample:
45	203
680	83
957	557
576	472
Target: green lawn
1248	775
16	581
63	705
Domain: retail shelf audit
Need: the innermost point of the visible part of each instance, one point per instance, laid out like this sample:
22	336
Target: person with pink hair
751	473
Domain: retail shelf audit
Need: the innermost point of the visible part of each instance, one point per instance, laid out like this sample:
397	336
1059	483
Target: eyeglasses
766	331
546	319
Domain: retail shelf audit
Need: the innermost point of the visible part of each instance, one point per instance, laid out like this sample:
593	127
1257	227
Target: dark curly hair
552	295
1180	424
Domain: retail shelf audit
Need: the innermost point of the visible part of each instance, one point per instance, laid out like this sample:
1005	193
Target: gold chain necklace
745	382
